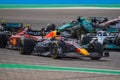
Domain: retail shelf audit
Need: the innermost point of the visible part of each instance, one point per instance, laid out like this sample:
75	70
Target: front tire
3	41
56	50
96	50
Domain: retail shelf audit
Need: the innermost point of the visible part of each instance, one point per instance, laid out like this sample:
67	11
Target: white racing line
68	8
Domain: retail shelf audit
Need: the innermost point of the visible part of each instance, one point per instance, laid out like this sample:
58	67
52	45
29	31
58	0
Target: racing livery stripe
56	68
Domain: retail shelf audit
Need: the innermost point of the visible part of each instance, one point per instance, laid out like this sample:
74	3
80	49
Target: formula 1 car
98	20
12	27
75	28
6	30
13	41
108	40
59	47
111	26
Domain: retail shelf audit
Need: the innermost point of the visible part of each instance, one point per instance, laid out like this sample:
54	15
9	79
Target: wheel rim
59	50
53	51
95	54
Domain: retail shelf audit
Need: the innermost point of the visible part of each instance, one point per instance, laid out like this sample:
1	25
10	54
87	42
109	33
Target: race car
13	41
12	27
98	20
107	39
111	26
6	30
76	27
57	46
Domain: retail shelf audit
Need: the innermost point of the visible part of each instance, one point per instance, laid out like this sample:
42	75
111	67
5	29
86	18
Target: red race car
13	41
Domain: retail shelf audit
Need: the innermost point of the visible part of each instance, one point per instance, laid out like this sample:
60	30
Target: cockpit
102	33
34	32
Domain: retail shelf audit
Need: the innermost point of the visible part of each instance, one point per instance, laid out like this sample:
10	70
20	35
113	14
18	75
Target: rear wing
13	27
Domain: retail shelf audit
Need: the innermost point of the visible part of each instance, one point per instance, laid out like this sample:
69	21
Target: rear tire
85	39
117	41
26	46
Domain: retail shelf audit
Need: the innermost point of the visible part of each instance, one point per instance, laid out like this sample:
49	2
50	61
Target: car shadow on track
78	59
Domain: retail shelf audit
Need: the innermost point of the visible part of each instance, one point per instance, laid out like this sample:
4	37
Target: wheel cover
59	49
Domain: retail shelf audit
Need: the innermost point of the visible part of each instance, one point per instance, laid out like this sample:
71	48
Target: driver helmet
73	21
58	33
48	24
1	28
28	26
105	20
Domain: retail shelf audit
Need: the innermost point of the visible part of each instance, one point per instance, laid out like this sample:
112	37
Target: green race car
75	28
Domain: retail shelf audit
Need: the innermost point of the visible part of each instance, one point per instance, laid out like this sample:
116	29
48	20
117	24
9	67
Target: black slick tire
3	41
26	46
96	50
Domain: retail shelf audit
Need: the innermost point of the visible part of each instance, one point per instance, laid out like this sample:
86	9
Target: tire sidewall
97	51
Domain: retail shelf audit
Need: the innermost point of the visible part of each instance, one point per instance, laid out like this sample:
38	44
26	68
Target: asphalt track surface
40	18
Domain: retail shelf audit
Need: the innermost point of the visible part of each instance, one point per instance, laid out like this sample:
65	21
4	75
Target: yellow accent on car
83	51
14	42
27	25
